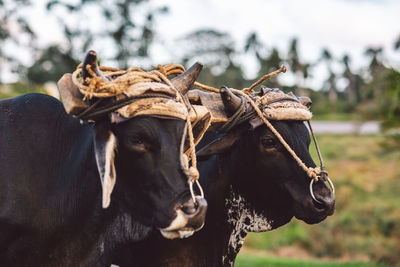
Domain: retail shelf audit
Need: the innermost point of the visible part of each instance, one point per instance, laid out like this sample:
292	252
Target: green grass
366	223
249	260
18	88
334	116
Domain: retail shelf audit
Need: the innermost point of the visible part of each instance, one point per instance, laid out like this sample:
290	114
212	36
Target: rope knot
92	82
193	174
314	173
162	70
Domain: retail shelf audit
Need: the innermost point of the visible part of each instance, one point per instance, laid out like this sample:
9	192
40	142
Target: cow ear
105	144
219	146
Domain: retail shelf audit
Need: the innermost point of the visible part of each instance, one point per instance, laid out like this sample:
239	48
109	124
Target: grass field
366	223
249	260
334	116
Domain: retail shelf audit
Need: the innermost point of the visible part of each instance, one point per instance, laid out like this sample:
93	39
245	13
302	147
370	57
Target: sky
339	25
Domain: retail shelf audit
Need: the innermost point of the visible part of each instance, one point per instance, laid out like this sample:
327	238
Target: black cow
50	192
252	184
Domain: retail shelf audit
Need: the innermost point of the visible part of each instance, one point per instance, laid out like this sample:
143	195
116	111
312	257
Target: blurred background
345	55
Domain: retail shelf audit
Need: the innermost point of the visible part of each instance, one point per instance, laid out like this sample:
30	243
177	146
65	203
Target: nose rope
316	146
323	173
191	172
314	173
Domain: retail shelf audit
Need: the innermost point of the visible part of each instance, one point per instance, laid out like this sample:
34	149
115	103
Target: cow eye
137	145
268	142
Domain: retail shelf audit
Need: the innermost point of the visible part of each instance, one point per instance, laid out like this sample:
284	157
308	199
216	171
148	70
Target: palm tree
267	63
375	53
331	81
351	90
253	45
300	70
377	73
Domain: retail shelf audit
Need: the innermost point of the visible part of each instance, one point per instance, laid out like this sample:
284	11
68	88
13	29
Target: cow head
151	185
266	175
144	152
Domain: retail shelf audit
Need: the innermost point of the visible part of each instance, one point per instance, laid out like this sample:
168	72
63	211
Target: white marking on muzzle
179	222
177	227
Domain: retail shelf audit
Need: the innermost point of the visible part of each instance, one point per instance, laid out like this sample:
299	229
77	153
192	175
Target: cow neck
240	217
95	238
87	234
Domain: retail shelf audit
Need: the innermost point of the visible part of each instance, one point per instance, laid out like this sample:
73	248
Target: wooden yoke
71	96
213	102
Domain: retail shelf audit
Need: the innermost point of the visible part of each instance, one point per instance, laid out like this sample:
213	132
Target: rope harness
118	82
241	115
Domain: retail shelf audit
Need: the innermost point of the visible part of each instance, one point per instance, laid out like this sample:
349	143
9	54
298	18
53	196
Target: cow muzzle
190	217
318	205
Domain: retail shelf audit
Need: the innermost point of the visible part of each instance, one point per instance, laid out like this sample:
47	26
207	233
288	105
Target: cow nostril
323	202
189	207
319	205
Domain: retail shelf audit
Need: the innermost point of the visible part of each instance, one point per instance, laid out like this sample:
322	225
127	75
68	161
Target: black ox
50	192
252	184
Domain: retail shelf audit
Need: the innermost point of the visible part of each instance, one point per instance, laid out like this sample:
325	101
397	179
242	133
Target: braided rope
263	78
206	87
122	79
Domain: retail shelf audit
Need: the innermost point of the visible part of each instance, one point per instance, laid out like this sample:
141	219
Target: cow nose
326	202
195	212
190	207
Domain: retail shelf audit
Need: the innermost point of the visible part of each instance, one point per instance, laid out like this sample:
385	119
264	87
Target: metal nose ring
325	178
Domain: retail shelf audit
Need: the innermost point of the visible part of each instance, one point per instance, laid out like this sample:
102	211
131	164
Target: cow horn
306	101
230	100
91	60
184	81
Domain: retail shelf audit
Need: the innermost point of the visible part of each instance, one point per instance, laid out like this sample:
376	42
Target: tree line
371	92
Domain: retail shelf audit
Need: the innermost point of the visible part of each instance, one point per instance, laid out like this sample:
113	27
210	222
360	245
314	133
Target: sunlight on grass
248	260
366	223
